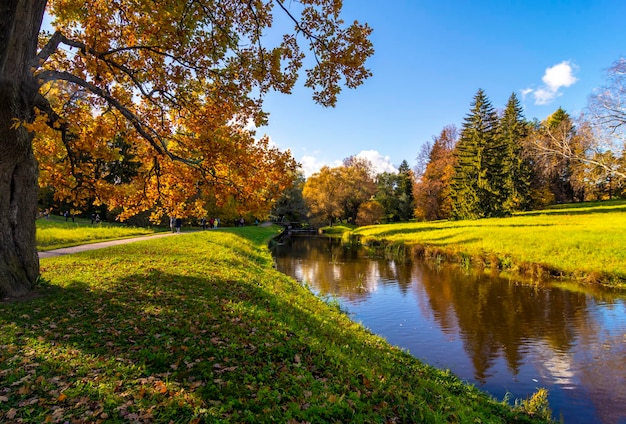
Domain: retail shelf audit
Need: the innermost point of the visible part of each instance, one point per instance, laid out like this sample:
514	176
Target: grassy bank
200	328
56	233
582	241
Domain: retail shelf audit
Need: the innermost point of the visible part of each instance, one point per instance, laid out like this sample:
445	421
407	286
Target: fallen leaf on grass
160	387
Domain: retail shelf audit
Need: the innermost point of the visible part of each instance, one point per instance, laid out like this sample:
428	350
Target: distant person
179	223
97	218
173	223
203	223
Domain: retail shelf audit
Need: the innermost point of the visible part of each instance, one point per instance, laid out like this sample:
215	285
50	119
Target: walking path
99	245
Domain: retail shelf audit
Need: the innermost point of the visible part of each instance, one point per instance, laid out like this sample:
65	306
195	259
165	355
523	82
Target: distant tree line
500	163
350	193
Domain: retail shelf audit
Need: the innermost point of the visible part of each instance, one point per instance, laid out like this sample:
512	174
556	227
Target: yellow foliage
149	109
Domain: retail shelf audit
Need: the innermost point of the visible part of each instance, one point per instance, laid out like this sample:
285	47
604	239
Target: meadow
585	241
200	328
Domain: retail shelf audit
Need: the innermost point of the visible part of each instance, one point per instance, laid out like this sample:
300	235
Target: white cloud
554	79
560	75
311	165
379	162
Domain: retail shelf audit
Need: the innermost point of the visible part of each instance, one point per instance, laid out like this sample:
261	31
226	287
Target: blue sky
432	56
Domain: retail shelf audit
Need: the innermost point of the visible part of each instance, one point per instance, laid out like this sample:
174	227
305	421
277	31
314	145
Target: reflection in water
504	336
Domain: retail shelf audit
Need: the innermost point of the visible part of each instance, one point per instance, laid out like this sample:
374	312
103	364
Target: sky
432	56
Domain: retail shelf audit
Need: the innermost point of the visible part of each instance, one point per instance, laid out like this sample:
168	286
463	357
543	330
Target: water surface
506	337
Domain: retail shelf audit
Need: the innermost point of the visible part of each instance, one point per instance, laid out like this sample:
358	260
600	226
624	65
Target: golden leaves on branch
163	98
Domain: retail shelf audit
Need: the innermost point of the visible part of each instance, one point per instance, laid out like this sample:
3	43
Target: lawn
56	233
200	328
585	241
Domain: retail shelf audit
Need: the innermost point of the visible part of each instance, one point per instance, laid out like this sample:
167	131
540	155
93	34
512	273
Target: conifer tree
513	129
405	191
473	193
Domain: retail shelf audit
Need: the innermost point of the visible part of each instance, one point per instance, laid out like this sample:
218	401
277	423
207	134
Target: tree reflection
572	337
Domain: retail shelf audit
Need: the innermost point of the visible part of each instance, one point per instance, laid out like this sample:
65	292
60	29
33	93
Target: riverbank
200	328
584	242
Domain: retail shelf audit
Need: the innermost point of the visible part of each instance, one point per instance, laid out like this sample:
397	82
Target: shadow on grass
585	208
455	228
161	346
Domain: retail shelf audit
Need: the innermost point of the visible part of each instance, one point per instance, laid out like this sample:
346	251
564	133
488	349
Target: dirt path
100	245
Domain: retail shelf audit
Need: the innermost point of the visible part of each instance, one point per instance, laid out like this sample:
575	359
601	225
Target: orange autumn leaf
160	387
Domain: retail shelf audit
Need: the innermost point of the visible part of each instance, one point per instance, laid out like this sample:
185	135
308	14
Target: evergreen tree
513	129
474	194
406	202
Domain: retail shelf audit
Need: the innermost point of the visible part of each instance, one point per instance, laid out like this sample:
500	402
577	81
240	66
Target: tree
406	200
386	195
291	205
604	126
180	85
357	185
607	106
394	191
474	191
516	180
321	193
557	142
432	191
370	212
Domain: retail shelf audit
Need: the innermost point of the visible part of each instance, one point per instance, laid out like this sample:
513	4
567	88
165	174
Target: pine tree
473	192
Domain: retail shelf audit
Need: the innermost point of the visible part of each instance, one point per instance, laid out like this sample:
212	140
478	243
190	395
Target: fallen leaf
160	387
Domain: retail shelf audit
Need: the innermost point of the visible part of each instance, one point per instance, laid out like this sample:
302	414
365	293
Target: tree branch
149	134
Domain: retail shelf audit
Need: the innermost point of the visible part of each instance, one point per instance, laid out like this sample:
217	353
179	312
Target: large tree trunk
20	22
19	263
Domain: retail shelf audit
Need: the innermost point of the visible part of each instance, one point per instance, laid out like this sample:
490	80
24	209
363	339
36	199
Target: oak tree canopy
146	105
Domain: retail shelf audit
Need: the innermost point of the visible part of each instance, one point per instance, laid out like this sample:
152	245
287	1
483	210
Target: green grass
201	328
55	233
586	241
338	230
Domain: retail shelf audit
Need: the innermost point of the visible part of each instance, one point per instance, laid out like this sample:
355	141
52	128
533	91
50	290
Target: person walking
173	223
179	223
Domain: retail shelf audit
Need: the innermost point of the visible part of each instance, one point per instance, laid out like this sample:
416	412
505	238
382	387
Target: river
506	337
